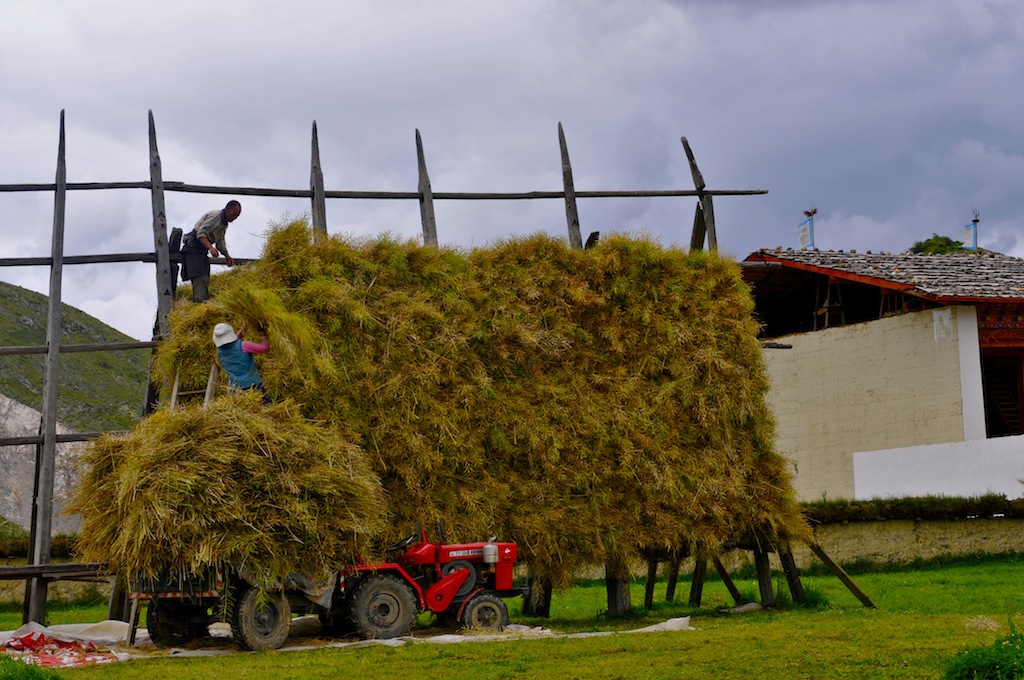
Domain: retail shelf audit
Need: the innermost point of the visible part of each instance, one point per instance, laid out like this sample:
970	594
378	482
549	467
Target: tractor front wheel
485	612
383	607
261	620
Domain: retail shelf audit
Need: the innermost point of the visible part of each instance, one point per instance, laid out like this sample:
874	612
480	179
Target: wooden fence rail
164	258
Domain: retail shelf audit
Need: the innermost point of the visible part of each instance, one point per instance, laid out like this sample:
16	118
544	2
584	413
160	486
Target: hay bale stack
260	487
588	404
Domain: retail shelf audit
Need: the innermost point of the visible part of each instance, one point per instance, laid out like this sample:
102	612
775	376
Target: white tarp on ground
114	634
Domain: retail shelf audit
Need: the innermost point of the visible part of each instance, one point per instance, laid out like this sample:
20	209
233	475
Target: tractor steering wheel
404	543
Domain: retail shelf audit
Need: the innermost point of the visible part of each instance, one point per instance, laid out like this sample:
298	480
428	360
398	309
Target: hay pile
592	405
260	487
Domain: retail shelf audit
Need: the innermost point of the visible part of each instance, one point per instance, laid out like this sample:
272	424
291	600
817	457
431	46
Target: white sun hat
223	333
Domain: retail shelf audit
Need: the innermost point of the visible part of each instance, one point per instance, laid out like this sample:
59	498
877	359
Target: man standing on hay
236	358
207	237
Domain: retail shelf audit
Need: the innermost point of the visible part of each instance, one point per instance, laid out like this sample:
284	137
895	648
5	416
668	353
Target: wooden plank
572	216
72	349
700	570
796	588
652	576
42	499
764	576
425	196
164	282
316	186
842	575
184	187
60	438
727	580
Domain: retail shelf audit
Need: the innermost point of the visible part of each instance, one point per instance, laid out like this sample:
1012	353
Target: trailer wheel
485	612
261	625
383	607
173	622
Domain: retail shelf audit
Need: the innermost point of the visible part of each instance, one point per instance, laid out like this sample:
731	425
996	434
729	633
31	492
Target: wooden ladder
208	393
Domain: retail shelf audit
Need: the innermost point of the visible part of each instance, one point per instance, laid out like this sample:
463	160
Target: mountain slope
98	390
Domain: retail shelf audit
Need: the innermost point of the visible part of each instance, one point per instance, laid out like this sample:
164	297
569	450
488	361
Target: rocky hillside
99	391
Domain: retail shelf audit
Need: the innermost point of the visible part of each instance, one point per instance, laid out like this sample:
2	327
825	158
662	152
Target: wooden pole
673	577
700	229
426	197
42	504
572	216
764	576
164	279
796	588
652	576
723	573
700	570
316	185
616	582
843	576
705	198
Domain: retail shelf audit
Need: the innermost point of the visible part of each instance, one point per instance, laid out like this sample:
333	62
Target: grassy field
924	615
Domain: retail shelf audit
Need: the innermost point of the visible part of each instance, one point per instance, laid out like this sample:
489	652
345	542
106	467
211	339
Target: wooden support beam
316	185
673	577
616	582
796	588
764	576
727	580
426	196
700	229
572	216
42	498
842	575
164	282
700	570
705	197
652	576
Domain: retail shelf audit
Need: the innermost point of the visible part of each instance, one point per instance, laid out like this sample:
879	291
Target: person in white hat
236	358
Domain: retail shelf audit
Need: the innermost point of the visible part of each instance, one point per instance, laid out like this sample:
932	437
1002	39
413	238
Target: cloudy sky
895	119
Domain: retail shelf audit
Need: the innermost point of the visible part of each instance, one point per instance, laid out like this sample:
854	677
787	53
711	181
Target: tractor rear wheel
485	612
173	622
383	607
261	625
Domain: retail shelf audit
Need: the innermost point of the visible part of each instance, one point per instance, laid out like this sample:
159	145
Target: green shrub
1002	660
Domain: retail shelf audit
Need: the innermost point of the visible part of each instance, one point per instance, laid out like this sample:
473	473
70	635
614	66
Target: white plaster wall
885	384
969	468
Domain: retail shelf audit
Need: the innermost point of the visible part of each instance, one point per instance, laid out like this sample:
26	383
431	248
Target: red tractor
462	584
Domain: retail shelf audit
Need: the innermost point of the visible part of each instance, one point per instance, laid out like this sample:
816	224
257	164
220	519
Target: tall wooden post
42	504
572	216
164	277
616	582
316	185
426	197
764	575
706	212
700	570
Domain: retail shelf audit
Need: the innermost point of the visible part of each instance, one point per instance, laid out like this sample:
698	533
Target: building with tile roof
905	374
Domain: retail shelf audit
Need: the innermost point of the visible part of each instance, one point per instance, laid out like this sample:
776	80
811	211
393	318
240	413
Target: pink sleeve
255	348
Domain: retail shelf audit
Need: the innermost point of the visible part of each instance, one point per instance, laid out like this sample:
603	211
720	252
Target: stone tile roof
956	275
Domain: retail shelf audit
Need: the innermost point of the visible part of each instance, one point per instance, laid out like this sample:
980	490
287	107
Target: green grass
925	615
